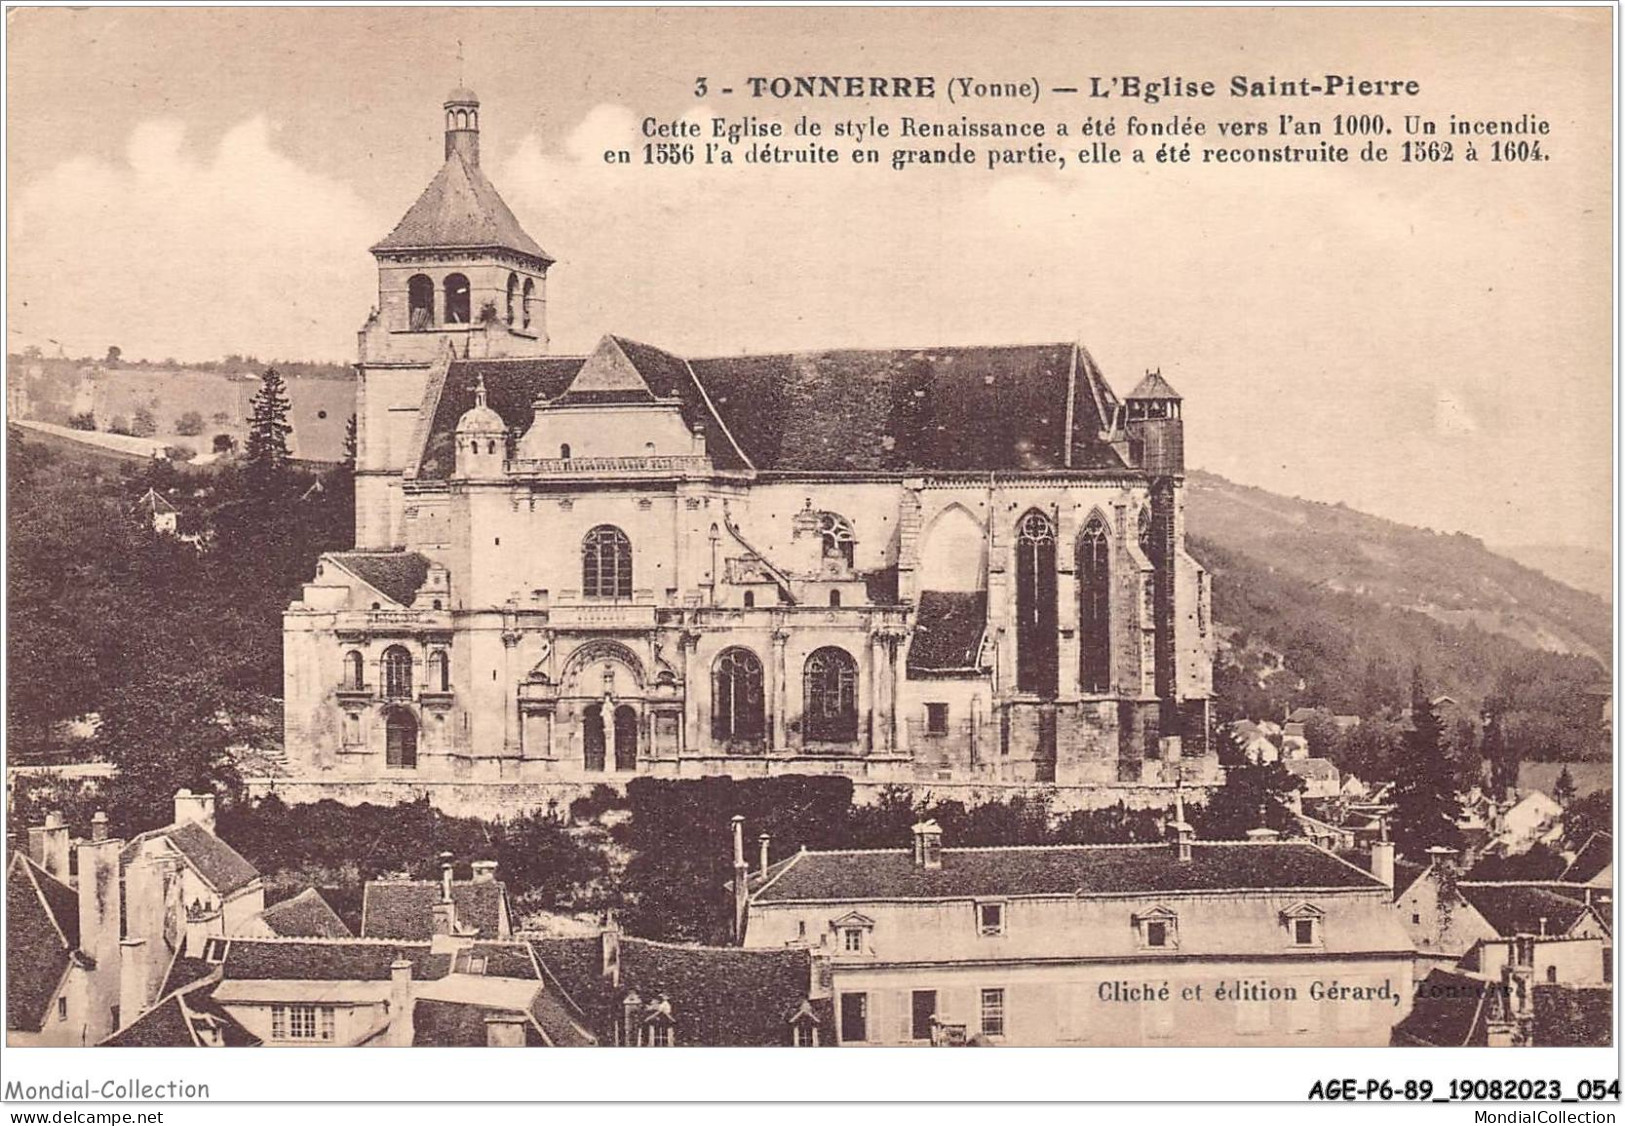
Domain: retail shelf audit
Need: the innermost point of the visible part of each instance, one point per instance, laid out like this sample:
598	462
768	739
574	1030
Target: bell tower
457	277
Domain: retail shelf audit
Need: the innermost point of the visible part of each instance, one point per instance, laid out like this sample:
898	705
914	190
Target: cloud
172	253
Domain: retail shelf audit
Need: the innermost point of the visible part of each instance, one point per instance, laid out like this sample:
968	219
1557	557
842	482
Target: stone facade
958	566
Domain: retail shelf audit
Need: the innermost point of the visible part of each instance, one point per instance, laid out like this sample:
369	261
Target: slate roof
174	1023
1596	855
1317	769
891	874
216	862
460	210
1570	1017
306	915
948	631
883	410
454	1024
42	933
404	909
720	996
397	575
453	1015
1518	908
1153	386
261	959
1449	1011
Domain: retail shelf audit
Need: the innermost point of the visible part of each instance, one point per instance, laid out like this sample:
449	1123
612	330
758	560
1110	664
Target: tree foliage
1426	806
266	458
1255	795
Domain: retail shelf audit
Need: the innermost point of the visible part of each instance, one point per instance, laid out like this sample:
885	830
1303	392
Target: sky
1430	344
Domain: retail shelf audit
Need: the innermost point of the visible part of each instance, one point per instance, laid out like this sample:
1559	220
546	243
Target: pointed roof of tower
1153	386
461	210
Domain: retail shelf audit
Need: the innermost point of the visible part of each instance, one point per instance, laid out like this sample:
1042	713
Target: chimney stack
445	877
1184	832
400	1033
132	981
98	826
485	871
1382	861
505	1030
190	807
48	846
762	840
741	879
927	845
100	908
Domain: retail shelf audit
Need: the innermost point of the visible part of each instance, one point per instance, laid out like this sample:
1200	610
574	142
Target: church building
957	565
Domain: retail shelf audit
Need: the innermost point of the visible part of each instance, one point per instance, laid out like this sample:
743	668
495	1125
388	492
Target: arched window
1094	606
835	599
606	563
750	599
738	711
439	671
524	306
400	740
1035	604
397	673
420	302
1145	533
836	532
564	452
829	689
355	677
457	299
513	293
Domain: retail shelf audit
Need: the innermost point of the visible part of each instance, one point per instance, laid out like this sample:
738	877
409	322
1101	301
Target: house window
923	1012
606	563
830	696
658	1036
750	599
804	1034
936	719
397	673
990	918
835	599
1159	929
1416	917
61	1008
854	1017
1551	975
1303	925
302	1022
992	1012
738	709
852	940
1303	932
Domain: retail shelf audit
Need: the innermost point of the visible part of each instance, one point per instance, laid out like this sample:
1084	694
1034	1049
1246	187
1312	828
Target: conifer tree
266	460
1426	806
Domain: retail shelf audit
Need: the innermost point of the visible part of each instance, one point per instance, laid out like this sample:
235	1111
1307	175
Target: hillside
1349	603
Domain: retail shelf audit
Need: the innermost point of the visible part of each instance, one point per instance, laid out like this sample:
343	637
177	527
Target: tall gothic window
420	302
606	563
829	688
400	740
738	711
457	300
513	291
1094	606
397	673
1036	620
1147	546
524	305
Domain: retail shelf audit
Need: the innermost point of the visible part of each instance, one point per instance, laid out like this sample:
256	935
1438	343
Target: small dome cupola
482	438
463	125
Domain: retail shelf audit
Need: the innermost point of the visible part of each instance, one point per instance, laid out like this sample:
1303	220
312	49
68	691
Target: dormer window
1304	925
990	919
852	933
1158	929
